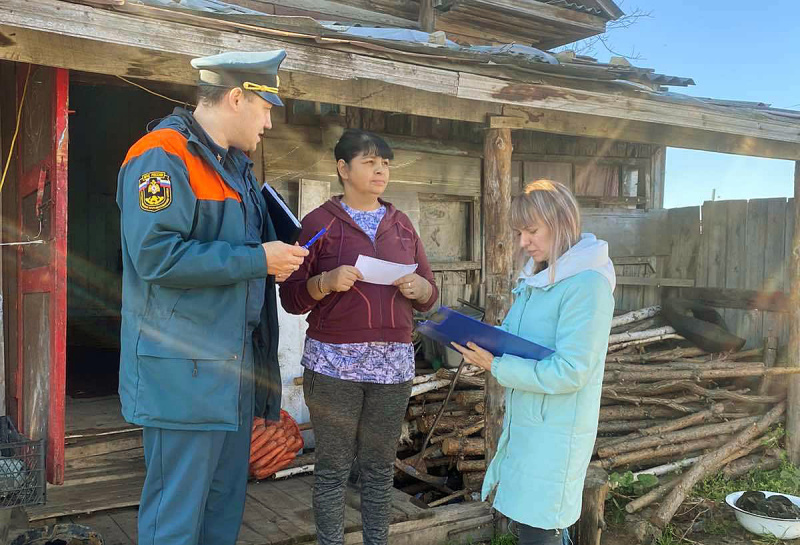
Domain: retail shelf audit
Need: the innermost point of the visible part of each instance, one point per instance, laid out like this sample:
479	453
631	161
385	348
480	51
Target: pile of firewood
452	465
668	405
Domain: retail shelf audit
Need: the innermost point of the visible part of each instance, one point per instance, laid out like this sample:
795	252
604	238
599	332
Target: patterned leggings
354	419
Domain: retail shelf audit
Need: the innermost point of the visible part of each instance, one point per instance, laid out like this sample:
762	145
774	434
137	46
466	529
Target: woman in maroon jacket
358	357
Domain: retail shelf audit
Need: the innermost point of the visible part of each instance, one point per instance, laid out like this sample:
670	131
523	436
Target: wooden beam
517	21
499	261
89	55
640	162
592	24
655	282
394	13
427	17
586	201
773	301
456	266
626	130
793	398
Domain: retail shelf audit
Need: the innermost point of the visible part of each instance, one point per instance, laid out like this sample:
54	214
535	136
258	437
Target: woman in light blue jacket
563	300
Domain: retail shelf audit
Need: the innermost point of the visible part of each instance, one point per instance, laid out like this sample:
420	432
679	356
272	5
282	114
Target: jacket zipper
221	174
375	255
380	299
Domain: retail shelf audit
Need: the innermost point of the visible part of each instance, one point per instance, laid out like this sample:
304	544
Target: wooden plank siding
735	252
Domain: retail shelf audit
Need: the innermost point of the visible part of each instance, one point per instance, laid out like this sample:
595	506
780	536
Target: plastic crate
22	468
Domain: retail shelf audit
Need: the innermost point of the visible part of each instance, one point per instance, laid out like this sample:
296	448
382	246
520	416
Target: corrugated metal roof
601	8
413	42
574	7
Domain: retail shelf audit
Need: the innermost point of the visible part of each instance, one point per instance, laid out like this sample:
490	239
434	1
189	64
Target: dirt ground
704	523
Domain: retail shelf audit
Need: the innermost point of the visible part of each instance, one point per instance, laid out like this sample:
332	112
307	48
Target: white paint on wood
312	194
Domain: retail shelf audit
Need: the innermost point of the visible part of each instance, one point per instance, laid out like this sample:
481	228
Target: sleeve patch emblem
155	191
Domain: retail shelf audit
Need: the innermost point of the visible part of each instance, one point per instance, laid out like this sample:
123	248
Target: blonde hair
552	204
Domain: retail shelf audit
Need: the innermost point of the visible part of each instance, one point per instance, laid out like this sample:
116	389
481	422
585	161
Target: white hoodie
588	254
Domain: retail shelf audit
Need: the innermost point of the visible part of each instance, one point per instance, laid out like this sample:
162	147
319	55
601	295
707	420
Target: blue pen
308	244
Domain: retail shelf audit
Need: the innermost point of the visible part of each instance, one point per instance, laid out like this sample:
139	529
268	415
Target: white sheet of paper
378	271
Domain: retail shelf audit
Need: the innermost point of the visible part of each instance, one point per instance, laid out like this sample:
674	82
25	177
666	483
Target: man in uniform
199	317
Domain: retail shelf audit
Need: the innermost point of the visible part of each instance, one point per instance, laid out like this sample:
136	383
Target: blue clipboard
447	326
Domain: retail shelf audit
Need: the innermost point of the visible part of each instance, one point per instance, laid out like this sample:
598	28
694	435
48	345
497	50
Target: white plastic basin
760	525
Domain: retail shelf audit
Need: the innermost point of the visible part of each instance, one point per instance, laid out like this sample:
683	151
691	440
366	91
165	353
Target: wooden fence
733	255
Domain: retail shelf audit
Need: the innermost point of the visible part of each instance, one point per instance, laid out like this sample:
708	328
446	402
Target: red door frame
51	278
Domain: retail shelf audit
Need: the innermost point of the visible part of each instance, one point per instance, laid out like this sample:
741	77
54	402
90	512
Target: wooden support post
427	16
793	401
499	260
770	356
592	521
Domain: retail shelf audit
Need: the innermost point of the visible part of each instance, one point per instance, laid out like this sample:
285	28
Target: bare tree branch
590	46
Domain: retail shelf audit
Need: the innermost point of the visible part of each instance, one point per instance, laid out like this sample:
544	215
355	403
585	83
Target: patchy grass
624	488
504	539
719	526
670	536
715	525
785	479
768	540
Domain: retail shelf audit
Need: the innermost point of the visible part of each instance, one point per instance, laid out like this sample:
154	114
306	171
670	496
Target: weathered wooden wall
735	254
746	245
639	245
436	177
601	173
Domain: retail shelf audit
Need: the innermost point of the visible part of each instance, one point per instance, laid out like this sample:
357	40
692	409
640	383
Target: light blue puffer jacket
552	405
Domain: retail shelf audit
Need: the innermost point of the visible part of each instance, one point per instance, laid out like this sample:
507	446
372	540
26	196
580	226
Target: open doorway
107	115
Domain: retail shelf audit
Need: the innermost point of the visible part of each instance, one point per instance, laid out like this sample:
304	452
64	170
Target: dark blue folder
447	326
287	226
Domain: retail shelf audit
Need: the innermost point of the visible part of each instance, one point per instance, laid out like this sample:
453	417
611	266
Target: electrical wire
16	129
143	88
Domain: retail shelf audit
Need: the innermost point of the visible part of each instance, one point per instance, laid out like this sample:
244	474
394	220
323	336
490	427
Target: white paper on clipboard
378	271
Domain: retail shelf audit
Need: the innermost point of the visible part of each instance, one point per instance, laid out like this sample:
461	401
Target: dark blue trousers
196	482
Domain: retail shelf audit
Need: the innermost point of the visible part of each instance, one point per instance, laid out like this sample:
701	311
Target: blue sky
734	49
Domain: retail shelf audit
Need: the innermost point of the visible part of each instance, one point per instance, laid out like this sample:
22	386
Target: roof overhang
91	39
522	21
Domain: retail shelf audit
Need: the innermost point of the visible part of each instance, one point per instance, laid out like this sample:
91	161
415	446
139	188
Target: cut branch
644	342
711	463
661	452
750	370
622	412
663	355
670	426
623	426
674	437
447	423
635	316
674	404
463	446
637	335
465	432
471	465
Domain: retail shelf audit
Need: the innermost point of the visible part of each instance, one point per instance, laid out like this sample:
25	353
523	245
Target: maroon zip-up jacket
367	312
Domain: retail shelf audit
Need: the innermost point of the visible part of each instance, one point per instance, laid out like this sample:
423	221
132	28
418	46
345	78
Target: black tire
701	325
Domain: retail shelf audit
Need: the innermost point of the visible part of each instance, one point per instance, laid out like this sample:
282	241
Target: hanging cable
143	88
16	129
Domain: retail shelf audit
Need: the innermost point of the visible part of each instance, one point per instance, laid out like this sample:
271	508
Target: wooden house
81	80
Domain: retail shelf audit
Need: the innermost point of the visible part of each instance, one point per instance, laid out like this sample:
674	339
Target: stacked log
666	406
456	450
669	406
